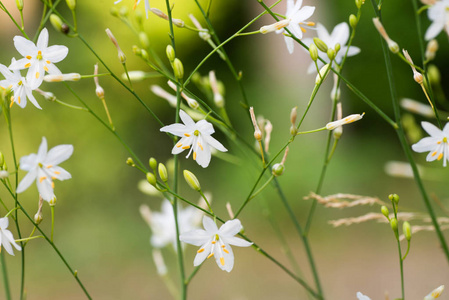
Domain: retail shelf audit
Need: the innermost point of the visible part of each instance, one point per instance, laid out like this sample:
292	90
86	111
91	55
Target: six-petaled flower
6	237
437	143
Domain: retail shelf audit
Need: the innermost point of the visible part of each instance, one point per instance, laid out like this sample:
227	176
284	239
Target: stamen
303	29
178	145
186	134
49	166
222	261
200	146
45	68
194	155
186	147
310	23
440	156
226	251
37	75
53	178
12	102
48	62
28	57
18	99
42	179
439	142
210	255
213	242
57	173
52	185
434	153
27	65
135	4
201	250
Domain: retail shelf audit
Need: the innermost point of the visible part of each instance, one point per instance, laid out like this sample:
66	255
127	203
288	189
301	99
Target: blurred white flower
43	167
163	225
216	242
147	5
438	14
437	143
196	137
360	296
38	58
339	35
21	87
435	293
6	237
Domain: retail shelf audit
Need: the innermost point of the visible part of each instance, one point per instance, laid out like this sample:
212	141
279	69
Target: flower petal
42	41
214	143
175	129
24	46
56	53
186	119
195	237
236	241
230	228
431	129
60	174
27	181
210	226
425	144
339	35
58	154
4	223
202	253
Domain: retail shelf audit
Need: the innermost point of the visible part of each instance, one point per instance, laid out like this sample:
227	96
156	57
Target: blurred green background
98	225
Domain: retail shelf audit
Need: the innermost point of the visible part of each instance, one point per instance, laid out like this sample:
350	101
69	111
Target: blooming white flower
43	167
38	58
360	296
438	13
21	87
295	17
6	237
437	143
196	137
435	293
163	225
216	242
147	5
339	35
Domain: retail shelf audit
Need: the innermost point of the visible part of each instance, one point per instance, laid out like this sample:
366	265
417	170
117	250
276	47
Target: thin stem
14	21
52	208
5	276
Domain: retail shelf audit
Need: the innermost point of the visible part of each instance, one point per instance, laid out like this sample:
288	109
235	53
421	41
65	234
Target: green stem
14	21
52	208
5	276
401	266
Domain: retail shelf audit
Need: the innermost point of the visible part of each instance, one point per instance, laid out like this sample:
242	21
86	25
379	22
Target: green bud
320	44
434	74
407	231
163	174
130	162
178	68
331	53
123	12
293	130
192	180
353	21
196	78
151	179
56	22
323	71
138	15
313	52
144	41
114	11
170	53
71	4
2	159
153	163
52	201
145	55
359	3
19	4
278	169
394	197
38	218
393	46
385	212
137	51
337	47
394	224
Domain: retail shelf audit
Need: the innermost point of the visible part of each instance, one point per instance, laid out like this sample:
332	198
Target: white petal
4	223
210	226
236	241
32	99
53	70
202	253
175	129
230	228
205	127
44	186
214	143
24	46
60	173
6	244
58	154
303	14
290	44
431	129
360	296
434	29
224	259
42	152
27	181
195	237
433	155
56	53
446	129
19	64
340	35
322	33
425	144
42	41
28	162
11	239
186	119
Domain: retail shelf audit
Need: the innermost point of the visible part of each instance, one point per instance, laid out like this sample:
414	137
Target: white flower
21	87
344	121
435	293
147	5
438	13
163	225
437	143
38	58
295	17
6	238
339	35
216	242
43	167
360	296
196	137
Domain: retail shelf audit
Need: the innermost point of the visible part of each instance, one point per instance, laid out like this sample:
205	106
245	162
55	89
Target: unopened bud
153	163
2	159
4	174
144	54
320	44
163	174
137	50
331	53
394	198
178	68
177	22
38	216
435	293
344	121
143	39
138	15
99	91
257	132
407	231
124	12
135	75
322	74
52	202
278	170
293	115
392	45
191	180
313	52
385	211
71	4
56	22
338	132
151	179
19	4
170	53
337	47
121	55
431	49
359	3
47	95
114	11
394	224
434	74
62	77
130	162
353	21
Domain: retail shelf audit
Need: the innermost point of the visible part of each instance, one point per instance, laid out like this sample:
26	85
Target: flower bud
321	75
178	68
392	45
163	174
320	44
130	162
19	4
337	47
257	132
137	51
385	211
331	53
121	55
278	169
151	179
349	119
434	74
2	159
407	231
71	4
138	16
431	49
313	52
56	22
114	11
170	53
435	293
143	39
52	202
191	180
153	163
124	12
394	198
359	3
394	224
144	54
353	21
38	216
4	174
338	132
62	77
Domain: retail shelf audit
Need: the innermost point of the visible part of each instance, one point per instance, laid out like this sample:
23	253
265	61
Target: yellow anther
28	57
440	156
27	65
186	147
210	255
135	4
310	23
12	102
52	185
201	250
178	145
186	134
439	142
194	155
18	99
57	173
42	179
49	166
213	242
226	251
200	146
434	153
48	62
53	178
37	75
45	68
303	29
222	261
